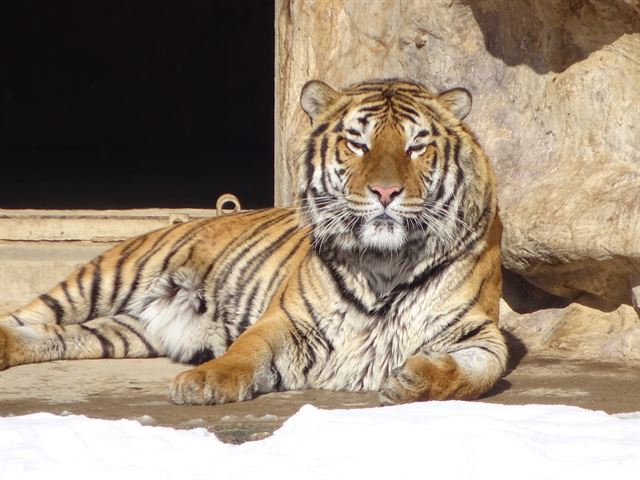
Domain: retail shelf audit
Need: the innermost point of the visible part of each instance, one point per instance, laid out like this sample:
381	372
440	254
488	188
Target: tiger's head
388	163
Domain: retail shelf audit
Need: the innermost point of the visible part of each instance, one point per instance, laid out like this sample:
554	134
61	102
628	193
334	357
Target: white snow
433	440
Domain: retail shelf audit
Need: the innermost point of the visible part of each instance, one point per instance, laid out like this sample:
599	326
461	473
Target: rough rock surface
556	87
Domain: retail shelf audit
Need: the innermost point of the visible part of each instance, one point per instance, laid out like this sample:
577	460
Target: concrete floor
137	389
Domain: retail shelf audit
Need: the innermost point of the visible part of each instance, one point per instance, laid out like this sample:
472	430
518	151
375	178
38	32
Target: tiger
383	276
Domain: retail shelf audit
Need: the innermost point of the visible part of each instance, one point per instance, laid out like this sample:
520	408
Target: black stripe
190	254
18	321
311	361
472	236
460	312
373	108
342	288
407	117
133	245
429	274
229	339
107	346
63	343
230	264
319	334
473	332
65	289
253	264
79	280
456	153
117	279
248	309
377	97
278	384
201	356
152	351
180	242
95	290
406	109
324	146
296	336
54	305
239	240
303	346
125	343
308	162
320	130
445	169
280	272
125	254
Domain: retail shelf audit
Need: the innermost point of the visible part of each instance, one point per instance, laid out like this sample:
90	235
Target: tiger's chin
383	235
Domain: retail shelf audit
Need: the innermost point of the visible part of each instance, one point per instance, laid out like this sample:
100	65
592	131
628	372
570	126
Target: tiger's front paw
429	376
403	385
5	345
212	383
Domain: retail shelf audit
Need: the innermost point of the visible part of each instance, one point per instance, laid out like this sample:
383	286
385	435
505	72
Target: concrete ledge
89	225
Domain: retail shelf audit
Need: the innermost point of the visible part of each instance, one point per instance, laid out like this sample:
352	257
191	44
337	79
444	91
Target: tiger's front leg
244	370
464	371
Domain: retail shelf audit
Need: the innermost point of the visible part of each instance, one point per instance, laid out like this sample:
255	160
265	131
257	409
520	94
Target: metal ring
224	199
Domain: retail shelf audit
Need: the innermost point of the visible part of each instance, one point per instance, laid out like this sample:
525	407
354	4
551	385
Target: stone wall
556	88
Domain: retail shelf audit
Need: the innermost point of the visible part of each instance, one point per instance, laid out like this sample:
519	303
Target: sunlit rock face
556	105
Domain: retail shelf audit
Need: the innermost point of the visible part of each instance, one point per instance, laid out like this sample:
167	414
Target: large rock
556	89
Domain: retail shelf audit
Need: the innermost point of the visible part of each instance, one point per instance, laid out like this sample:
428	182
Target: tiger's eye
357	148
416	150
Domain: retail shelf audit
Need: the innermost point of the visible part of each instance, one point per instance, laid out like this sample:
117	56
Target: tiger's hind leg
119	336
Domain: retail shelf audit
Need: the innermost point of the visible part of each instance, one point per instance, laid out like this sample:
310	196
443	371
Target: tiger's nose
385	194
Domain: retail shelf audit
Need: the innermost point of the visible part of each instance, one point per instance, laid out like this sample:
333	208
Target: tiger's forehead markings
392	109
405	107
356	127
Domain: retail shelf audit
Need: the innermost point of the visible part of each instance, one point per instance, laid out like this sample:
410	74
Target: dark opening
138	103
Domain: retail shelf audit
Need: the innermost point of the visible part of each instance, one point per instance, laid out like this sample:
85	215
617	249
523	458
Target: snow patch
423	440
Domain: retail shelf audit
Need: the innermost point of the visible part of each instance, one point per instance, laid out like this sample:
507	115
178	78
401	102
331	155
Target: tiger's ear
457	101
316	96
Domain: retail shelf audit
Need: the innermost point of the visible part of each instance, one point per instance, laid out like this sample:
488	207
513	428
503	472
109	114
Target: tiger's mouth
384	219
383	233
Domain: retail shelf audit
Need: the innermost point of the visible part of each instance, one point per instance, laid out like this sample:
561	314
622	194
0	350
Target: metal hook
224	199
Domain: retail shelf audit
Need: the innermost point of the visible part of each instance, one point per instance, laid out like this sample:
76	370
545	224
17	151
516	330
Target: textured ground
136	389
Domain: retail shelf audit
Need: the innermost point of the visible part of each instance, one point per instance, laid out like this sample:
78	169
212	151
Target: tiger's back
194	286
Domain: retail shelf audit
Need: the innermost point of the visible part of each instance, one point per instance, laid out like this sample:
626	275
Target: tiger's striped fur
385	277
